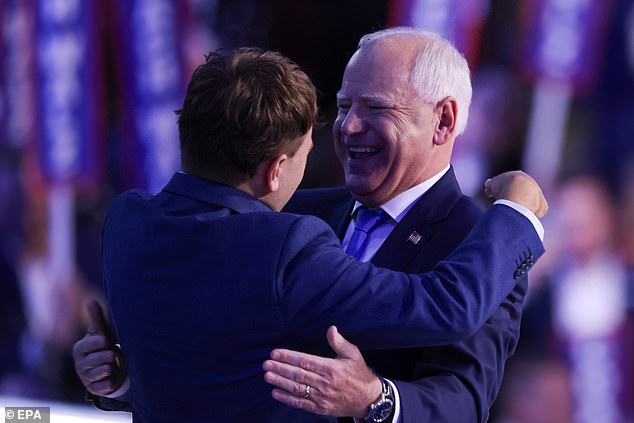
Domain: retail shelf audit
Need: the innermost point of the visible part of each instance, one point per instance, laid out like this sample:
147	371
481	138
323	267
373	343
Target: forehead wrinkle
376	82
373	98
382	94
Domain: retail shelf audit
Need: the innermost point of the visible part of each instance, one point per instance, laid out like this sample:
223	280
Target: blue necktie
367	221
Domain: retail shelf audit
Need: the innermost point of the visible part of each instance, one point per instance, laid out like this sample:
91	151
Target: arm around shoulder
319	285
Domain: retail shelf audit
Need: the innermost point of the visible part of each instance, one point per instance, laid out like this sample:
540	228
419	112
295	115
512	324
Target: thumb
96	321
341	345
488	188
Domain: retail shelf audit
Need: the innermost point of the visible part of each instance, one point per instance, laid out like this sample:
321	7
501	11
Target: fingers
341	345
520	188
96	359
290	378
90	344
97	363
498	186
338	387
291	371
543	208
297	402
290	383
102	387
309	362
99	373
96	320
488	188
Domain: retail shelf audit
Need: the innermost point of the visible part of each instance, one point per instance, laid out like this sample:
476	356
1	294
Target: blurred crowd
575	361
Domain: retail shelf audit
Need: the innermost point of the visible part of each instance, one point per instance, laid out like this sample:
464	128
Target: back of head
242	108
440	70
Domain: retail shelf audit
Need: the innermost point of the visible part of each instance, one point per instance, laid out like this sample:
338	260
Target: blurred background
87	95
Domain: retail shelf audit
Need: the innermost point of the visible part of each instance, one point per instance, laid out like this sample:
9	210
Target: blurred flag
456	20
561	40
150	65
560	53
19	70
69	91
3	97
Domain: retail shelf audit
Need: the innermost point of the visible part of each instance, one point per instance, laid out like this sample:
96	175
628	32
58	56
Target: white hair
440	70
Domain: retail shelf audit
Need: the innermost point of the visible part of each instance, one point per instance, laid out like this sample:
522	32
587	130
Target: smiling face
384	132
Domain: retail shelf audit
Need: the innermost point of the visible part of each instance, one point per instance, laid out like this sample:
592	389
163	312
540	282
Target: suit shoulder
462	217
128	199
282	224
131	195
466	211
310	201
297	235
330	192
299	222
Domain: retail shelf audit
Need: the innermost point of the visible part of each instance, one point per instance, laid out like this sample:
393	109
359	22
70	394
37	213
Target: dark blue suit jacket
204	281
456	383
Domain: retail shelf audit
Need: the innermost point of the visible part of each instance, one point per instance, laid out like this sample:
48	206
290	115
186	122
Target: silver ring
307	392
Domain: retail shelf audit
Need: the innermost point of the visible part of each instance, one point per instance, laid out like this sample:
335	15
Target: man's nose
353	123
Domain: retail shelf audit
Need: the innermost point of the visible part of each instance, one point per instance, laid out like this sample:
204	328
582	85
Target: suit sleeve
459	382
319	285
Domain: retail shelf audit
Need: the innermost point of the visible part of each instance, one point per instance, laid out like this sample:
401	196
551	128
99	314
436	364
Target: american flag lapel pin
414	238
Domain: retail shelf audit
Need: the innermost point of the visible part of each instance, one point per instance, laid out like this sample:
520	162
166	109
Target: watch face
382	410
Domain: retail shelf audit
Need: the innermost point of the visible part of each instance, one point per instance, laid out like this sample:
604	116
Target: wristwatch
381	409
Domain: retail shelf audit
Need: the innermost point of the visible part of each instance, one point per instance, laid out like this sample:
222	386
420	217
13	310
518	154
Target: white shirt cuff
397	403
527	213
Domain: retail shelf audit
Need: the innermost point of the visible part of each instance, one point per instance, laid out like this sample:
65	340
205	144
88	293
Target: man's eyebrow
375	99
366	97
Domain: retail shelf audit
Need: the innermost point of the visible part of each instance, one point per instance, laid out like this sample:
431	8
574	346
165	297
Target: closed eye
378	108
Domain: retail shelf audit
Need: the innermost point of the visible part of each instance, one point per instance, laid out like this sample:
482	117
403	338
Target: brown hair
242	108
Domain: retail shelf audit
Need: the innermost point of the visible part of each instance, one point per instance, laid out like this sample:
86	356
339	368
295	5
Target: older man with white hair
404	99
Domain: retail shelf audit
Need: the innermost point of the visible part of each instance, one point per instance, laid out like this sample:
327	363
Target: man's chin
358	185
364	193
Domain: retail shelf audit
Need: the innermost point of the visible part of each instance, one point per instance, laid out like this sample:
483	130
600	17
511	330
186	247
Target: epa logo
27	414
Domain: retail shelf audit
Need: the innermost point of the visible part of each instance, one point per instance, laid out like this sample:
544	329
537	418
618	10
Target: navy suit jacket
204	281
455	383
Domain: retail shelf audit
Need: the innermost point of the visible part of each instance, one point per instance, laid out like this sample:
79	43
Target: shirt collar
398	206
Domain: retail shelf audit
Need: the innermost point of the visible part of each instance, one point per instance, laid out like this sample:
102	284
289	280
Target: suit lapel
418	226
339	217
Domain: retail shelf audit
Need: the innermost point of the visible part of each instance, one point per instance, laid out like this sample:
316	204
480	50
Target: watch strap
383	407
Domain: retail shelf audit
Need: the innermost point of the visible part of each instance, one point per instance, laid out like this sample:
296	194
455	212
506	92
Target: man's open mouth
361	152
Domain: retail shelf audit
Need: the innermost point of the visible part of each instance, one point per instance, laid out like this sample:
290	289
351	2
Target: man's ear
273	171
445	120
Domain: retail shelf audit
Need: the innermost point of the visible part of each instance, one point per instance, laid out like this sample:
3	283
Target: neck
249	186
256	188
